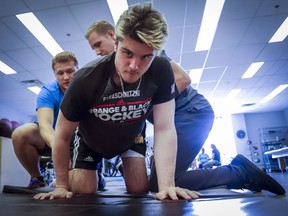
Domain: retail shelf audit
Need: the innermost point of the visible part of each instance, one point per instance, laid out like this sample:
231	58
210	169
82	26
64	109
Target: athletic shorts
84	157
47	150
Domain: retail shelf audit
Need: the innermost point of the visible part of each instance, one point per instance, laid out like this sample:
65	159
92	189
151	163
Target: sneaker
119	166
101	182
36	183
256	179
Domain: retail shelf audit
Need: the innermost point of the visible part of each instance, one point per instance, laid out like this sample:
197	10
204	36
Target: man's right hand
56	194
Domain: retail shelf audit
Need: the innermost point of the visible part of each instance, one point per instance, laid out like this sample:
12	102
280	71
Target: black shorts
47	150
84	157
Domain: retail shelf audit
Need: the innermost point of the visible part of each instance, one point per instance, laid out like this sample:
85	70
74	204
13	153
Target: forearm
165	150
45	121
60	154
47	133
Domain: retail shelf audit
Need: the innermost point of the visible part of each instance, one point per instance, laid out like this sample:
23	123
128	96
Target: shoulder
162	66
161	60
96	68
51	87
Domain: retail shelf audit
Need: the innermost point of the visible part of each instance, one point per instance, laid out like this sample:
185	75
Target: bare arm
61	155
213	156
165	149
61	149
182	79
45	121
165	143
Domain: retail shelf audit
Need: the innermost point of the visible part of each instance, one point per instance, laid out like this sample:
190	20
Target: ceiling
242	36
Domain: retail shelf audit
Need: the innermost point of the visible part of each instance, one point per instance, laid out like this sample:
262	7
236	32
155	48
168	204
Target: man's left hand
175	192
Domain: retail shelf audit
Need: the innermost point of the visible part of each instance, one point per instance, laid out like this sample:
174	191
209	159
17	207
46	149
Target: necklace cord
122	85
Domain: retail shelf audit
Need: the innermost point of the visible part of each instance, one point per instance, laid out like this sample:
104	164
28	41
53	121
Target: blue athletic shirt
50	96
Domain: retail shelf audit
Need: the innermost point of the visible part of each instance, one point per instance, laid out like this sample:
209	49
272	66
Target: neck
121	81
116	78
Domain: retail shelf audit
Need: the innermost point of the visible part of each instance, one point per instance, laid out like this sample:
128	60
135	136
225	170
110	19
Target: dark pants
193	127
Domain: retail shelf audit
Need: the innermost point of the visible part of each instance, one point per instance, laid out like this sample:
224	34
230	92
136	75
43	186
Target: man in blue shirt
202	158
215	160
32	140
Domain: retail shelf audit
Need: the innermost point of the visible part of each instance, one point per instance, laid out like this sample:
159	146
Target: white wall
11	171
285	113
263	120
239	123
251	123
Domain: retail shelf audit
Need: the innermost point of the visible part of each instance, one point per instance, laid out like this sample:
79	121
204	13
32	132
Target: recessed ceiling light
233	93
281	33
273	94
209	24
33	85
195	75
31	22
35	89
117	7
252	70
6	69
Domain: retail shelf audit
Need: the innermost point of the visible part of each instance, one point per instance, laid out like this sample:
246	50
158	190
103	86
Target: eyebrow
145	55
96	44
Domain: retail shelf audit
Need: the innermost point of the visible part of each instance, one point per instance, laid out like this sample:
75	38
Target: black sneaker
257	180
101	182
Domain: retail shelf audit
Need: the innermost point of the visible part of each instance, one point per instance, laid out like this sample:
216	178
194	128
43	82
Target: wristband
62	186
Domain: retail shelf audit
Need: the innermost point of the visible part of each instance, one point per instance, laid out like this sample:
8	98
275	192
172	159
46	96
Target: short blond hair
64	56
142	23
101	27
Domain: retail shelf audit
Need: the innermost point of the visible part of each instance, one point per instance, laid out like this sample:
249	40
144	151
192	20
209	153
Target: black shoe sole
261	179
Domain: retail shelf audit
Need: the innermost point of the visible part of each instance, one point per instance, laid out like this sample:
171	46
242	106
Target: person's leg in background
193	127
192	131
28	144
239	174
101	178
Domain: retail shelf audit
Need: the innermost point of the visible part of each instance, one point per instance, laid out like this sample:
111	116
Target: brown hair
101	27
64	56
142	23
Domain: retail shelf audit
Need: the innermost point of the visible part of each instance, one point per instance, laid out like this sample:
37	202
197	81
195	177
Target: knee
84	189
137	189
23	133
83	181
17	135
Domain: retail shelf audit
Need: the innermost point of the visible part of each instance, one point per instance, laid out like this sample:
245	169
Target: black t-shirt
110	120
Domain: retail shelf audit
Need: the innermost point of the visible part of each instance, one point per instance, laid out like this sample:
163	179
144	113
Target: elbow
188	82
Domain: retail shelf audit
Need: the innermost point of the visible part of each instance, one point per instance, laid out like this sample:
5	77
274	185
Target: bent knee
83	181
137	190
25	132
80	189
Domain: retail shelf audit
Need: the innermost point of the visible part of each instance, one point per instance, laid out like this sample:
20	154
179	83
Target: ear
116	44
111	34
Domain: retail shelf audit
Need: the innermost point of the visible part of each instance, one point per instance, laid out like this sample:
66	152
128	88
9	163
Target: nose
66	76
98	52
134	64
